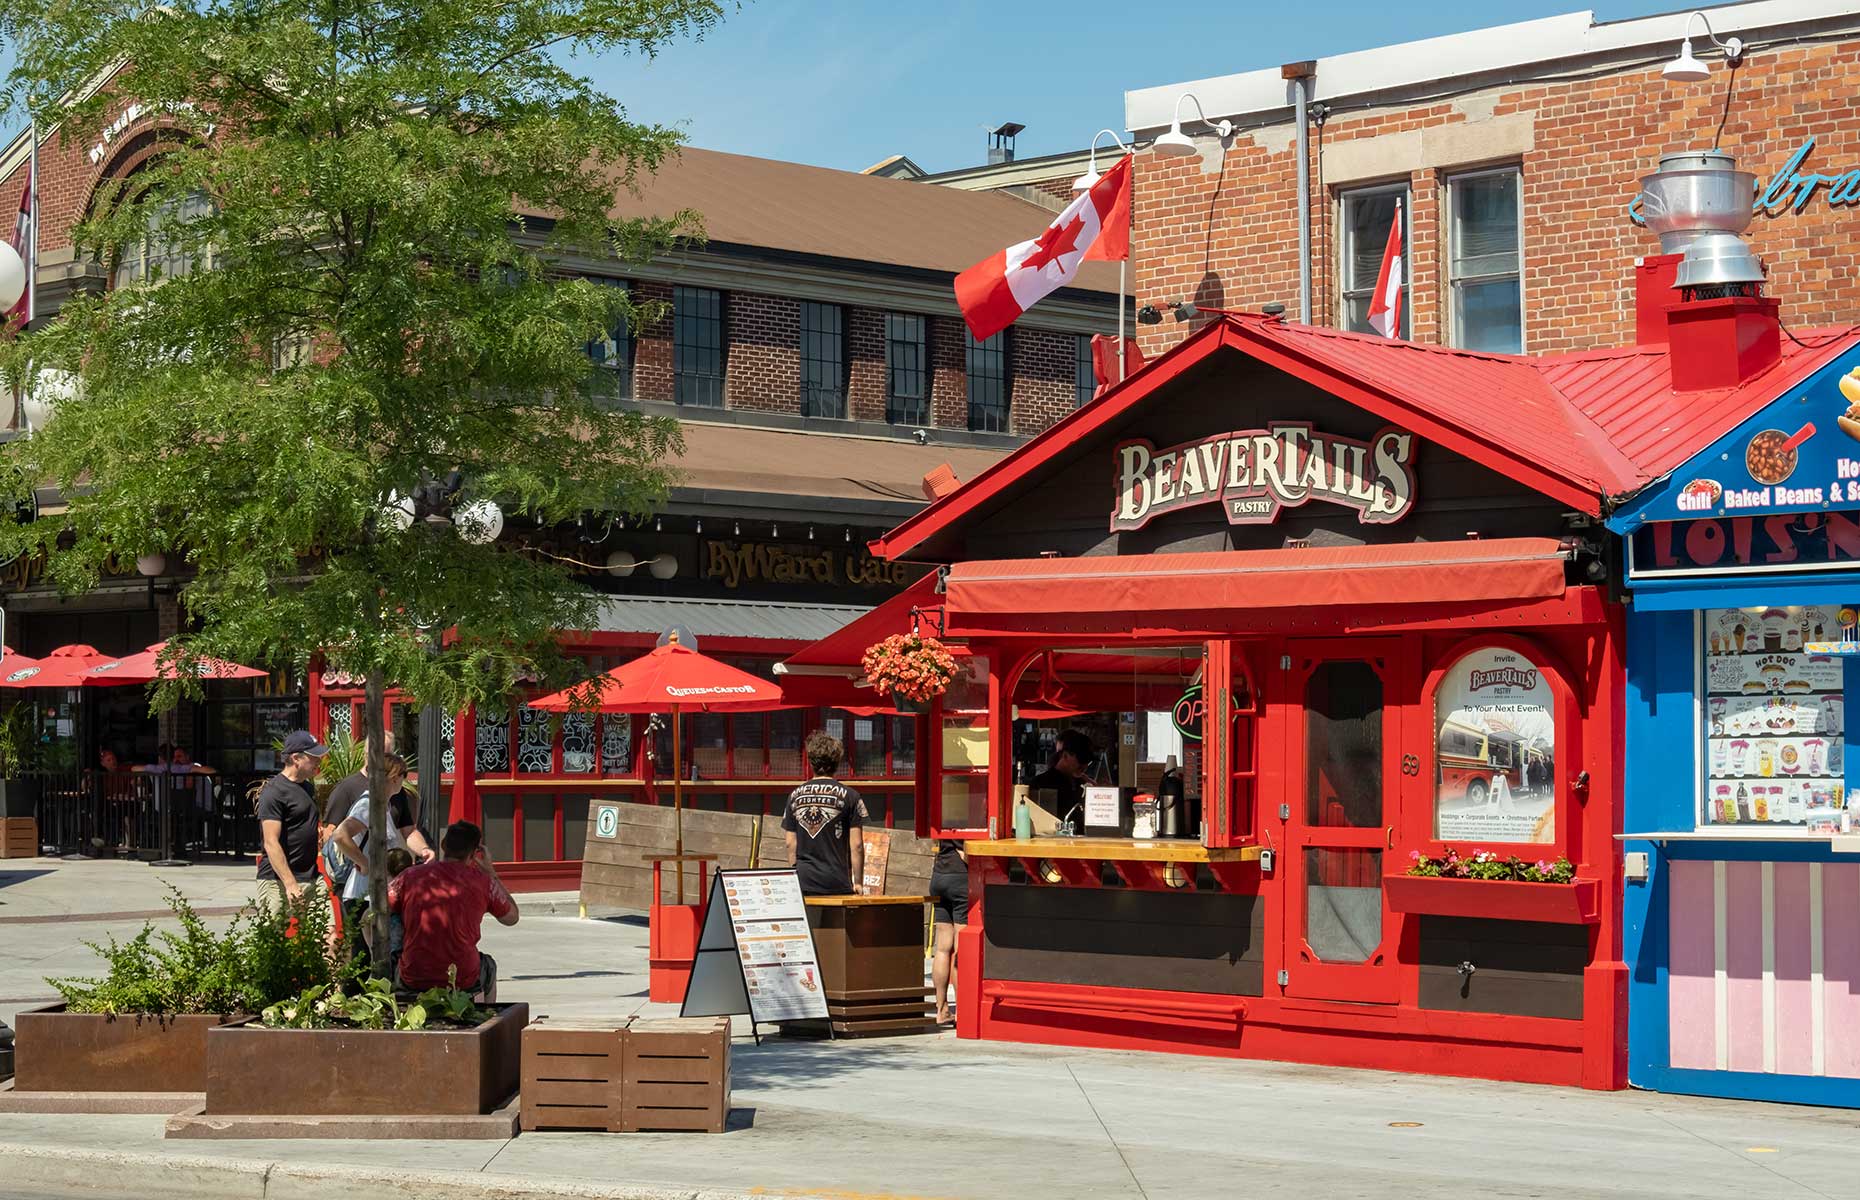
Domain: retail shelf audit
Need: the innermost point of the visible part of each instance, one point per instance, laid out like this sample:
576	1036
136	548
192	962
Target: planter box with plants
142	1026
367	1053
1504	889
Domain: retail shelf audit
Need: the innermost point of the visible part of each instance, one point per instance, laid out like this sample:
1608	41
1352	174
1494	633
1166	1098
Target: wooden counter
860	901
1111	849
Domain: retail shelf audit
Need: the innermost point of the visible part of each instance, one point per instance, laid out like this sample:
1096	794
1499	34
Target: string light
849	533
810	533
739	529
658	524
700	524
774	530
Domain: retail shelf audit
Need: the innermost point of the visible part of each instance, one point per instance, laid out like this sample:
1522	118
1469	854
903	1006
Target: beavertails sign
1255	474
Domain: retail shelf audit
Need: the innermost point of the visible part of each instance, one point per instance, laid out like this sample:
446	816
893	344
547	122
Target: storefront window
1774	720
1110	740
578	743
960	798
617	745
1495	750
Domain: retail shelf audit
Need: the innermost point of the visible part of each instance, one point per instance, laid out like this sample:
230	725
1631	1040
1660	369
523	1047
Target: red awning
1510	569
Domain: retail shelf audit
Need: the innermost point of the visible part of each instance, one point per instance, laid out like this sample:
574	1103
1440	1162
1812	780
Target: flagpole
32	231
1120	318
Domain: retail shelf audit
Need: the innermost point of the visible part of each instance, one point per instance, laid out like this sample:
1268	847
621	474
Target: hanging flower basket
911	668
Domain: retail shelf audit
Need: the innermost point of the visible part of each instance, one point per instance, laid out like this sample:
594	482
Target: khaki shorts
271	896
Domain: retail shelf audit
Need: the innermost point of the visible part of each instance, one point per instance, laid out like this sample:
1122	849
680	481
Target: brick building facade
1565	114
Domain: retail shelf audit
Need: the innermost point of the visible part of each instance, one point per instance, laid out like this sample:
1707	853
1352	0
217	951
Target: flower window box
1572	903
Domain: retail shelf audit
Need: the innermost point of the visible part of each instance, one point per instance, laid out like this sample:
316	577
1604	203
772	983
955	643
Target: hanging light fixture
1175	143
12	276
1686	68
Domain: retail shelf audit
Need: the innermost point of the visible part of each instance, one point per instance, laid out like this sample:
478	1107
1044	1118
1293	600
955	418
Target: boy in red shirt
442	906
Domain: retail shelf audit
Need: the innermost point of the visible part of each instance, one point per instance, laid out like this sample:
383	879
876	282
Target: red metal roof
1586	428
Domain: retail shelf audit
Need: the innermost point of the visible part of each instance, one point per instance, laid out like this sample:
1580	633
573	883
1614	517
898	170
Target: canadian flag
21	240
1385	304
996	291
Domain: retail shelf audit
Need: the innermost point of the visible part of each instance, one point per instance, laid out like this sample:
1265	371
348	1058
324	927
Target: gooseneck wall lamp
1089	179
1175	143
1686	68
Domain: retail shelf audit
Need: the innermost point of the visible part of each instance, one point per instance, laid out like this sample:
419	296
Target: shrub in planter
142	1024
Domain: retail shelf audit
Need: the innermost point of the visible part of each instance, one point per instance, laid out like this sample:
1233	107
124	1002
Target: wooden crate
677	1074
573	1074
19	837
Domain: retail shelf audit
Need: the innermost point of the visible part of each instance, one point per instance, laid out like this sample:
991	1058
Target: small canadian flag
1385	304
996	291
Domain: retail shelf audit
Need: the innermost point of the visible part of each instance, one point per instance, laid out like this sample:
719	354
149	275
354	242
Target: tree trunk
375	702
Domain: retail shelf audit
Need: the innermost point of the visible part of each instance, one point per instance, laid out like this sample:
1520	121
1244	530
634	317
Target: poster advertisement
1774	717
1495	750
755	953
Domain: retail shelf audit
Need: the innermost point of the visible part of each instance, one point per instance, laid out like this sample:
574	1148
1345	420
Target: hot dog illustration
1850	391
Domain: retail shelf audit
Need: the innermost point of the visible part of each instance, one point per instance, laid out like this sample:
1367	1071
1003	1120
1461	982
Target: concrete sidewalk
939	1117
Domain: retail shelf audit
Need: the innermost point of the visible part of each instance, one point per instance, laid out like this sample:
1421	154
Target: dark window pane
749	745
535	742
612	356
785	731
538	828
697	346
578	743
1488	302
1367	217
988	382
1085	379
499	825
574	827
617	745
907	392
823	360
709	746
1343	903
903	745
491	731
1343	746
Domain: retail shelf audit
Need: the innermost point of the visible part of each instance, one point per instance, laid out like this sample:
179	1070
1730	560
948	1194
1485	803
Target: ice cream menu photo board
1774	718
755	953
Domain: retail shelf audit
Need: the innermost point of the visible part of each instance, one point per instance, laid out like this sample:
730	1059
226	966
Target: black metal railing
147	815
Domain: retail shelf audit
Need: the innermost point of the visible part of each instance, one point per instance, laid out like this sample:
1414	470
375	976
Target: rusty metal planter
59	1051
270	1072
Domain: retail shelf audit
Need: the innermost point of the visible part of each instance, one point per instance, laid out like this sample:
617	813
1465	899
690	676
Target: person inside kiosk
1107	742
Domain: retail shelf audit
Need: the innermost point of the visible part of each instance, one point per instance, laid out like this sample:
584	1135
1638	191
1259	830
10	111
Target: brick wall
762	332
1045	388
763	363
1222	227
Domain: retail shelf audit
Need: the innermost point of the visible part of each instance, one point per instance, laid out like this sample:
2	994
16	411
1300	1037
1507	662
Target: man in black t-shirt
1064	780
287	822
824	824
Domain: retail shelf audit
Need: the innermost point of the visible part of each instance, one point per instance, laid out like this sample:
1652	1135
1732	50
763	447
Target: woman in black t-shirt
949	892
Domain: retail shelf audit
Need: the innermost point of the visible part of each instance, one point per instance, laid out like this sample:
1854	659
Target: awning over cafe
1472	571
828	671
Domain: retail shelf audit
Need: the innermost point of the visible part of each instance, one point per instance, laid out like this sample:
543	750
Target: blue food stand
1742	906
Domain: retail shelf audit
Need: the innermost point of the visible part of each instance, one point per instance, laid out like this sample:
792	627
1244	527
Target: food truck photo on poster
1495	750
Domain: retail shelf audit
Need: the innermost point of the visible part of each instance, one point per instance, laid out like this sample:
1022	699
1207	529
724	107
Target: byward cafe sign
1256	474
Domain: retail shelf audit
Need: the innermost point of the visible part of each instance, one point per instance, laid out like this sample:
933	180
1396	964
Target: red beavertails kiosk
1243	638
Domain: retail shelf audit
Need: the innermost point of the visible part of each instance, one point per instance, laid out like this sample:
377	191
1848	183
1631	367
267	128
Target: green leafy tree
337	291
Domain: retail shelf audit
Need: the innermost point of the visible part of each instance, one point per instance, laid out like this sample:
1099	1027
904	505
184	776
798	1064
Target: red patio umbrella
148	666
18	671
62	668
673	678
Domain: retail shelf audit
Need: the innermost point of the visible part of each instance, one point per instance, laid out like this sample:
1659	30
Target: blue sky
844	83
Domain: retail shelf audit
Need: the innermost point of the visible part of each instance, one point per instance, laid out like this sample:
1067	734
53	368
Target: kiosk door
1342	782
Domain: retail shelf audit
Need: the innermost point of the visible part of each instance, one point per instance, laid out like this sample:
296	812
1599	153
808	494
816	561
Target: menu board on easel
755	953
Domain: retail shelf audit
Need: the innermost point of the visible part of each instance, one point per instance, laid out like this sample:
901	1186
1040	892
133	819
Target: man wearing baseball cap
287	822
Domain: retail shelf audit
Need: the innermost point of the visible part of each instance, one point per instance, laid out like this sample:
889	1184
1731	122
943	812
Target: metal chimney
1001	142
1698	202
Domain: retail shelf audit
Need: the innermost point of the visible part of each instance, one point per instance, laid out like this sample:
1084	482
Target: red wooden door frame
1377	980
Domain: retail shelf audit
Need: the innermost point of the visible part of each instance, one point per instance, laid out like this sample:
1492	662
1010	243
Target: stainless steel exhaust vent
1698	203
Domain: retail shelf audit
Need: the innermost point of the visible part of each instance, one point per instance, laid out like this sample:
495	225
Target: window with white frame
1365	216
1485	260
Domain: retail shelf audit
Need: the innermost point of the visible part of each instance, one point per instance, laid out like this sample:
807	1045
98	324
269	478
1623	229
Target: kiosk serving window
1773	719
1495	749
1108	741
